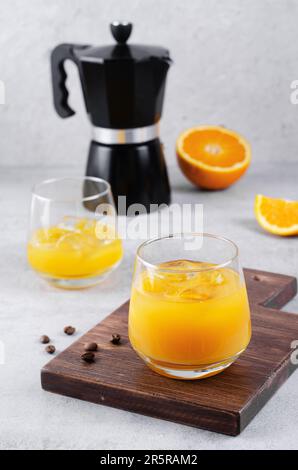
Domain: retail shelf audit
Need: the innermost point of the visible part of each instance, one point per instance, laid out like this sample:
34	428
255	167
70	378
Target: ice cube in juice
189	319
74	249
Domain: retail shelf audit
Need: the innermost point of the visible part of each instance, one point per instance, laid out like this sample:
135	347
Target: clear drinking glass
73	241
189	316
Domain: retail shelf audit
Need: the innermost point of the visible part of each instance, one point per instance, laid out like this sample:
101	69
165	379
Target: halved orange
212	157
278	216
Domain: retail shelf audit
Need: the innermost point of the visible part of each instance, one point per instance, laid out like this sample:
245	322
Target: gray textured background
234	63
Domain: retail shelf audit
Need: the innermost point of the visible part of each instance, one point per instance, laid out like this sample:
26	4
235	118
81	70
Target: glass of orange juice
189	315
73	241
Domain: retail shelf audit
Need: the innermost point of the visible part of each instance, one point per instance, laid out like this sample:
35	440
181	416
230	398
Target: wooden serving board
225	403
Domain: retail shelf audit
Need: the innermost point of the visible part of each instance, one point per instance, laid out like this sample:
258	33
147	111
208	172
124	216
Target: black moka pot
123	87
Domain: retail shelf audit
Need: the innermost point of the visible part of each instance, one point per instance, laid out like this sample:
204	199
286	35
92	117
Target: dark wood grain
225	403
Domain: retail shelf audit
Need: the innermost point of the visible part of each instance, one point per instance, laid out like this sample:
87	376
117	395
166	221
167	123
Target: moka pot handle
59	55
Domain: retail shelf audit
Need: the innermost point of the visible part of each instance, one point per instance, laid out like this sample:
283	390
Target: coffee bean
91	347
50	349
88	357
44	339
69	330
116	339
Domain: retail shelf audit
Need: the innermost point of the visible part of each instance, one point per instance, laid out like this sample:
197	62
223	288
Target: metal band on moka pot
137	135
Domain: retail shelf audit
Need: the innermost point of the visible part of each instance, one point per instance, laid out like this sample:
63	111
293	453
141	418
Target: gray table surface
33	419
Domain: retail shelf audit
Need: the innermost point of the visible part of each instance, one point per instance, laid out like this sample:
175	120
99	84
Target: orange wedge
277	216
212	157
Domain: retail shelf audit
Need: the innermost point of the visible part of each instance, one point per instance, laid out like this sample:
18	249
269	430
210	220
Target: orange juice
189	320
74	249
